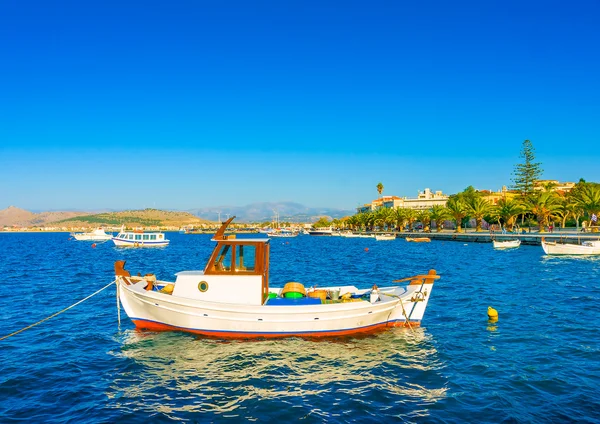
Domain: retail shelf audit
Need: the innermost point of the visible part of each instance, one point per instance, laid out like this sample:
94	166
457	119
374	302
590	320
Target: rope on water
58	313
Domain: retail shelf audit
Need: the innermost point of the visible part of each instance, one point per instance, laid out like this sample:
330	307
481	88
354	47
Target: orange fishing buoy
93	245
366	249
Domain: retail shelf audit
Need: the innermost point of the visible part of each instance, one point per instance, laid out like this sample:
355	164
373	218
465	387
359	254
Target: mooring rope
58	313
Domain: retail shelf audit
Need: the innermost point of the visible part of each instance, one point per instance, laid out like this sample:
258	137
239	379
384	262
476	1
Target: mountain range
255	212
268	212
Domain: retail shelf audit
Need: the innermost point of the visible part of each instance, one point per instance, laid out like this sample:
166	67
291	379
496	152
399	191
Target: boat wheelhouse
140	239
232	298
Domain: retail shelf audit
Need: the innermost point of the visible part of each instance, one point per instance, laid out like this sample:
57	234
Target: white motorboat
506	244
557	248
382	237
321	232
140	239
282	233
97	235
232	298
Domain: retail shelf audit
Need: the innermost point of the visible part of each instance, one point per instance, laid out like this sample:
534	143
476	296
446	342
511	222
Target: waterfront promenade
530	238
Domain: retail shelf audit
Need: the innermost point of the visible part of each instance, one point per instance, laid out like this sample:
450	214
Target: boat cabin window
160	236
130	236
146	237
236	258
152	236
245	258
138	236
223	260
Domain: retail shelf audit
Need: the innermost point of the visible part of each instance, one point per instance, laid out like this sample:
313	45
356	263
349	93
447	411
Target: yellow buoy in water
492	313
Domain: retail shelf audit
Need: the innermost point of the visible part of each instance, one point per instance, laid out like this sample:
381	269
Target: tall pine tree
526	174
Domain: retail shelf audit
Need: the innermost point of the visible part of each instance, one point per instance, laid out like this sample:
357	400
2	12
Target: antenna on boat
220	234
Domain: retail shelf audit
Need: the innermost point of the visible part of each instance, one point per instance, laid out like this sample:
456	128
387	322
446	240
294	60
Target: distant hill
144	218
262	212
23	218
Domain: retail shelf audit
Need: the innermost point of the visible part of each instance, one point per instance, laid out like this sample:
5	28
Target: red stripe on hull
156	326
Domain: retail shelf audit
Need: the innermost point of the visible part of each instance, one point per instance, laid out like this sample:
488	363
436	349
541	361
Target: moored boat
382	237
418	239
506	244
140	239
232	298
97	235
590	247
321	232
282	233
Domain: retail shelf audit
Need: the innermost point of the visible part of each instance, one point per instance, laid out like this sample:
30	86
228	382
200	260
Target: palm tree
410	216
457	210
379	189
545	207
478	207
400	218
424	217
588	198
508	211
438	214
382	217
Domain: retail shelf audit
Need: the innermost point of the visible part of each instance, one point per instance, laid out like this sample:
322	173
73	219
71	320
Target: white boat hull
382	237
139	243
507	244
586	248
96	235
156	311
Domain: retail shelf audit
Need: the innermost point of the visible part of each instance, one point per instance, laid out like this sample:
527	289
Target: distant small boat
506	244
585	248
282	233
321	232
349	234
97	235
140	239
381	237
419	239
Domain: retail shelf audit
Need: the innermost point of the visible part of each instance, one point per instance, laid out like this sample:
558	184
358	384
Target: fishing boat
589	247
97	235
418	239
140	239
232	298
382	237
348	234
506	244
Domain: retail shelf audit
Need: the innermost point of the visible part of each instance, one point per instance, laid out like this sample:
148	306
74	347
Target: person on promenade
503	229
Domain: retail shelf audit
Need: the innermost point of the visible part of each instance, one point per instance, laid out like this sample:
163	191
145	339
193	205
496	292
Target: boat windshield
243	258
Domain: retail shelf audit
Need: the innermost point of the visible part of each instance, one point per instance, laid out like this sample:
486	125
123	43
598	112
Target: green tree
424	217
477	208
458	210
438	214
588	199
508	210
379	189
545	206
527	173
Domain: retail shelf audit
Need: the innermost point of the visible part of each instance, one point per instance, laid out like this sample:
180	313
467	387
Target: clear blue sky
183	104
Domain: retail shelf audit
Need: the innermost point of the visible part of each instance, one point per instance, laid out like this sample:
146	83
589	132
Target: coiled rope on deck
58	313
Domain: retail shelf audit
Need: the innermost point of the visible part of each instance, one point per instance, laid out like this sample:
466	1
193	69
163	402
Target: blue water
539	363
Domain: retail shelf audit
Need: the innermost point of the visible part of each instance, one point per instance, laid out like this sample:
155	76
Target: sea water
540	362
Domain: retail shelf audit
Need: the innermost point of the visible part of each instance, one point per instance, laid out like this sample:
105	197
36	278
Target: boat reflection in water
395	372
